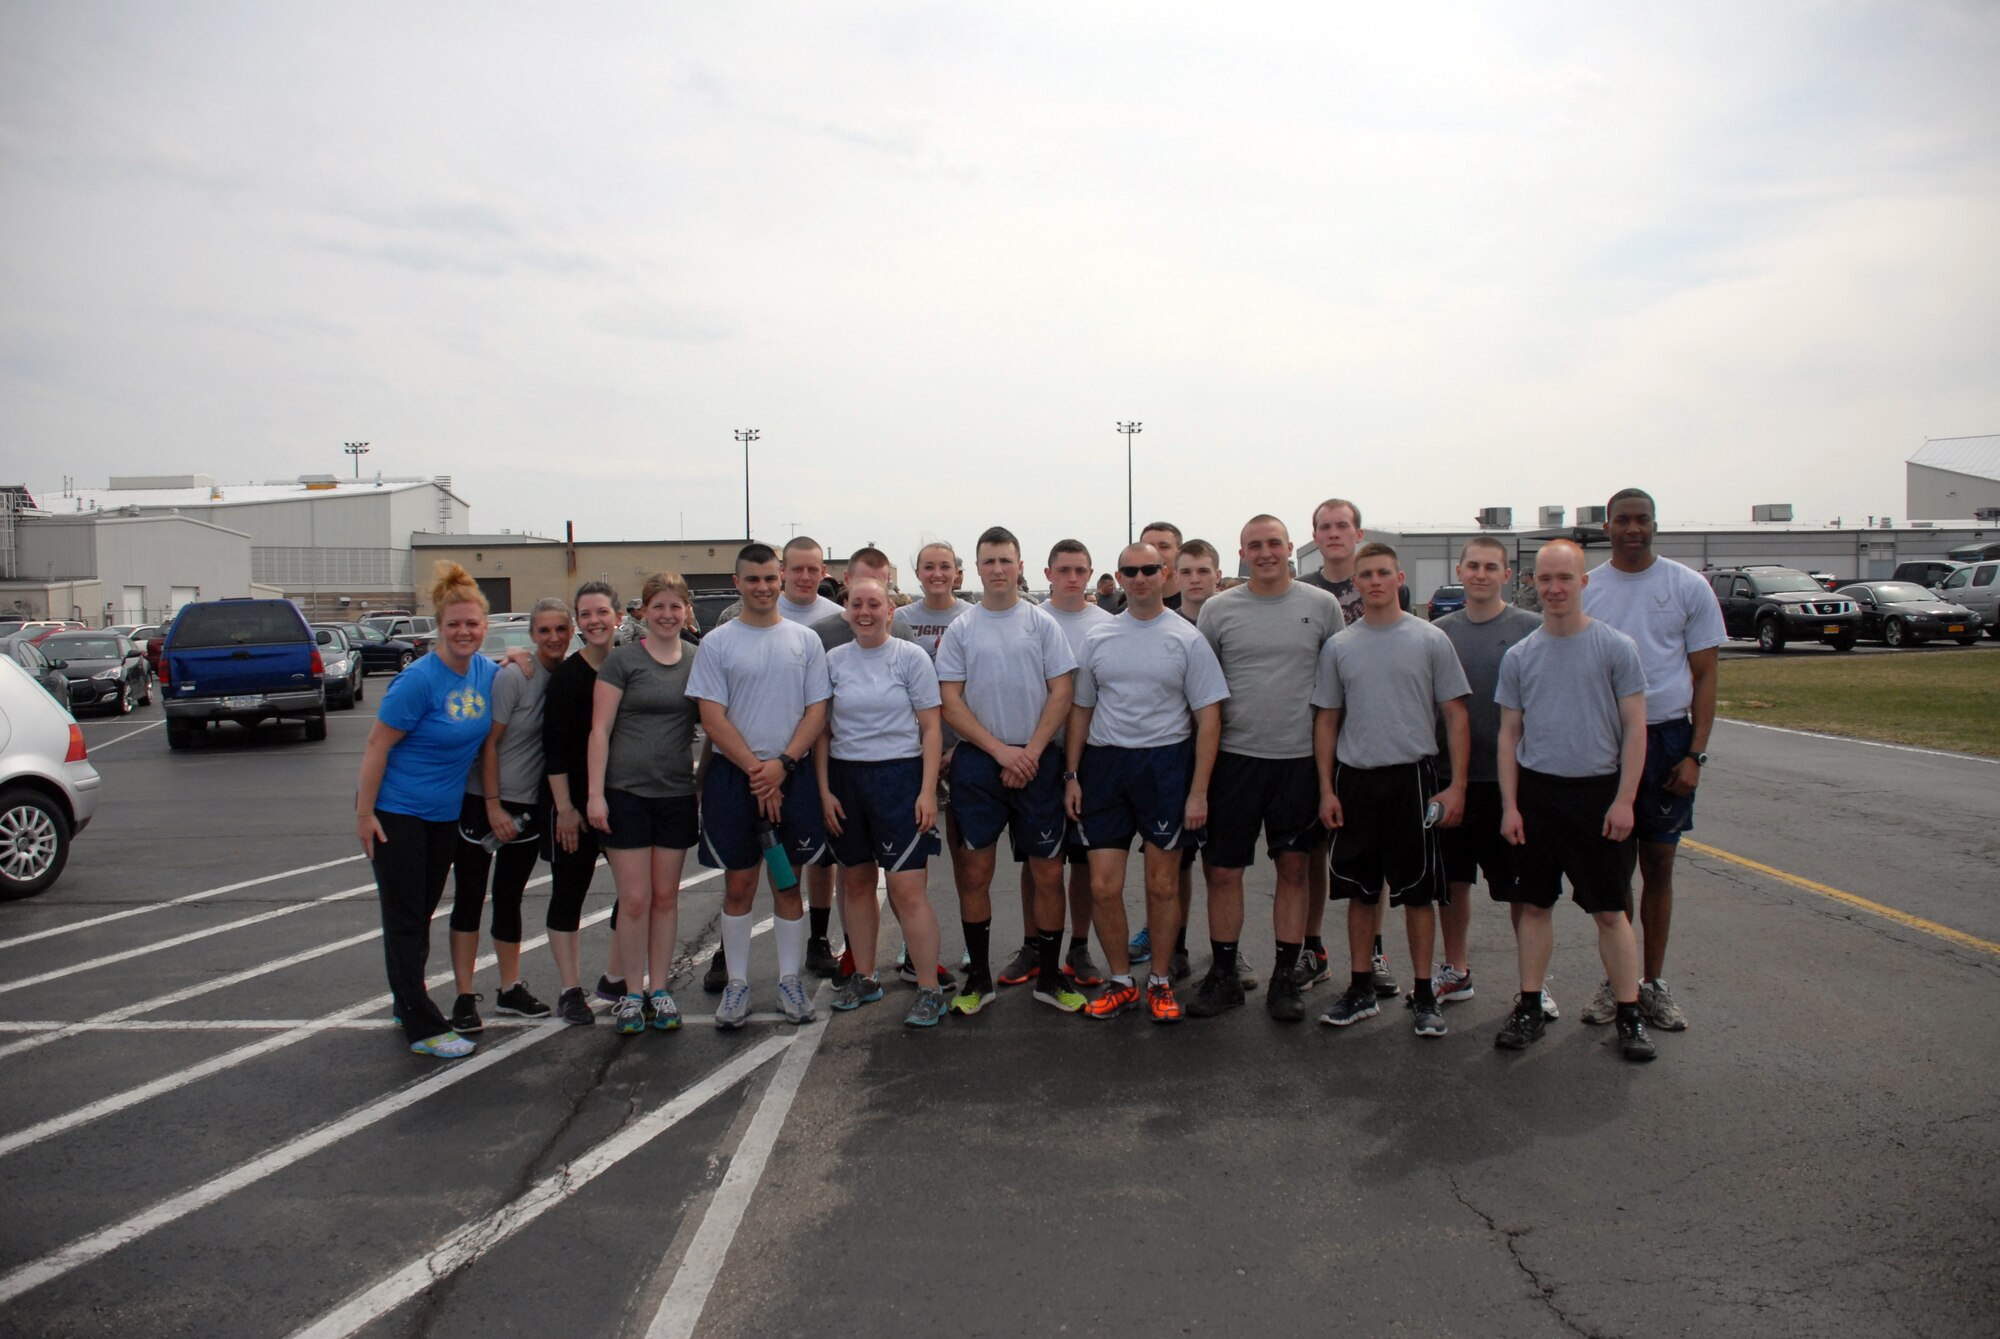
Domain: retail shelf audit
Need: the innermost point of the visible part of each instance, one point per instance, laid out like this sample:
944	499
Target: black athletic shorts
1382	837
1279	796
1563	820
1476	844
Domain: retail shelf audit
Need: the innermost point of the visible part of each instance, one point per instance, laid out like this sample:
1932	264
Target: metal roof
110	499
1978	456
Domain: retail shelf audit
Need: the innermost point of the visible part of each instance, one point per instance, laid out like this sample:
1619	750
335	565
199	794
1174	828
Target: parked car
379	654
22	651
1975	587
1902	613
1975	553
345	673
1827	580
136	633
420	633
504	638
103	669
241	660
1930	572
1445	600
48	789
1777	605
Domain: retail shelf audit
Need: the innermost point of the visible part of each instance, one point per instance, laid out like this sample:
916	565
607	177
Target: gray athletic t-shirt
837	631
925	625
1074	627
1142	678
1268	646
1480	647
1670	612
764	678
1005	659
652	737
876	697
517	704
806	614
1388	683
1567	691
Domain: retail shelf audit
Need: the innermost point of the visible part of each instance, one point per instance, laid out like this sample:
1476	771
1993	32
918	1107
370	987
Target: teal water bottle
780	864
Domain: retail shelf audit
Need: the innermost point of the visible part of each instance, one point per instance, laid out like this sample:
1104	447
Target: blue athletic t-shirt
444	718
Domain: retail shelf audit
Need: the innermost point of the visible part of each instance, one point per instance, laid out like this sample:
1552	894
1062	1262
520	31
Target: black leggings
569	878
511	868
410	870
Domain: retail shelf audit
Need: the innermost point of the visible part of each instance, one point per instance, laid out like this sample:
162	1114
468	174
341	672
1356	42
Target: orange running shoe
1161	1002
1113	1000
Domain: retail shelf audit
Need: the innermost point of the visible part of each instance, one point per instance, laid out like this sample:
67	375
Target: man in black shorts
1572	747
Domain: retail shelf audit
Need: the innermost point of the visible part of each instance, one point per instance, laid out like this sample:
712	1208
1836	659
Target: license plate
238	703
1831	627
1956	627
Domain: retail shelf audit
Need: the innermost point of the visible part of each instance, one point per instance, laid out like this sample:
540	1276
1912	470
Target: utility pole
356	450
1129	429
746	436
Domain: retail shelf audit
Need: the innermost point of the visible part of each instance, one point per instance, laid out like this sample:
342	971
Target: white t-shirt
1005	659
876	697
1142	677
1671	613
808	614
764	678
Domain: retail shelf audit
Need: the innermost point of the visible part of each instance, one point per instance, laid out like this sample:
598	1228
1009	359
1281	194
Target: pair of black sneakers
1217	994
516	1000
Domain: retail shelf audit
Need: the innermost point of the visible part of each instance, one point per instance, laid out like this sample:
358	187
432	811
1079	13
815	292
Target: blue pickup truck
241	660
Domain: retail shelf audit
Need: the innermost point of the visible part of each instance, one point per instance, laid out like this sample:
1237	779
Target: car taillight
76	751
319	665
166	672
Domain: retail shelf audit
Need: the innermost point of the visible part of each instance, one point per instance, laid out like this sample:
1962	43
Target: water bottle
1432	813
775	858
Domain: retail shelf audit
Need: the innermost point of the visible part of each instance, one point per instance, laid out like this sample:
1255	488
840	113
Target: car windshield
1902	592
82	648
501	640
1774	583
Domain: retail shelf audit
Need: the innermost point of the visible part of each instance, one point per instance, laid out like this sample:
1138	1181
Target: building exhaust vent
1496	518
1552	518
1771	511
1590	516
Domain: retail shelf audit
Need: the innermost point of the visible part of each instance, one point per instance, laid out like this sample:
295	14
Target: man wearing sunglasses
1143	731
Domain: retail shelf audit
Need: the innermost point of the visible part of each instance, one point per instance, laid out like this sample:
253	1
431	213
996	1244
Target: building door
499	593
132	605
180	595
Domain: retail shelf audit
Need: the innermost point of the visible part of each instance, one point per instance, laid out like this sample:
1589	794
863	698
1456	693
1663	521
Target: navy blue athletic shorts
729	818
1659	815
878	802
1382	837
985	807
1135	790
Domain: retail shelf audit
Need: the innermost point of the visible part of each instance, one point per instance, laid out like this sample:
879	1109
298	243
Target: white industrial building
1950	477
104	567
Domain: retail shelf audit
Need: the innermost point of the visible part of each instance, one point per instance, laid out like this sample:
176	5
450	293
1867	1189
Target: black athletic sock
1180	940
1048	945
1361	981
1225	957
1531	1002
1423	993
1078	942
821	917
1628	1013
1316	946
1287	961
975	946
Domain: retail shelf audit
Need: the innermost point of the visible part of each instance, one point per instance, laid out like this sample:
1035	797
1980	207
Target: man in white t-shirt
1671	612
799	601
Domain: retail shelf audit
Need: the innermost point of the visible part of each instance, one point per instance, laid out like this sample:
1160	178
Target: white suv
48	791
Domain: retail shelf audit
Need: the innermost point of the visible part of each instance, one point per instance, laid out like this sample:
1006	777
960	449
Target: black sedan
1903	613
379	654
21	649
341	669
103	669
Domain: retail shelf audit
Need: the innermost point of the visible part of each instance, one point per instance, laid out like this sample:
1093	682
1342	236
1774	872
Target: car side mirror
58	664
133	653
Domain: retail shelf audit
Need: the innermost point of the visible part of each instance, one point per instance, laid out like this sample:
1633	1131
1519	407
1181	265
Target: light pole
356	450
746	436
1129	429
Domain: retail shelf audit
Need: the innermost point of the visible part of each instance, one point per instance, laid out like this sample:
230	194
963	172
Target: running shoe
1141	946
1059	994
1023	966
1113	1000
1353	1006
610	991
1080	970
1216	995
520	1002
856	991
819	957
1246	975
734	1011
1429	1018
1285	1002
1656	1002
1160	1002
465	1015
444	1046
925	1010
1385	980
666	1015
792	1001
1633	1043
1451	985
907	971
1603	1006
1178	966
717	975
974	995
629	1015
574	1008
1312	968
1523	1028
1549	1009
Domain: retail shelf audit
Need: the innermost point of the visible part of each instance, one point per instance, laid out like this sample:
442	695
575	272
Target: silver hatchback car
48	789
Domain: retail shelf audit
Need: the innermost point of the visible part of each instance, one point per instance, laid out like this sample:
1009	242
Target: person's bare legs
909	898
632	875
1620	952
1534	943
663	914
1165	901
861	918
975	883
1225	903
1420	924
1656	903
1290	909
1107	893
1455	922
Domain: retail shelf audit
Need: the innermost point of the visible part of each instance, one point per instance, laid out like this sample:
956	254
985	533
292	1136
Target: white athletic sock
791	936
736	945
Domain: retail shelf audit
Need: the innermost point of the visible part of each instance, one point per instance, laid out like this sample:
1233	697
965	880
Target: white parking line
481	1235
40	1026
1868	743
119	739
174	902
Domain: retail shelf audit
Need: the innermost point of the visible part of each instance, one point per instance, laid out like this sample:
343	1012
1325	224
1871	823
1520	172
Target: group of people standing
1383	760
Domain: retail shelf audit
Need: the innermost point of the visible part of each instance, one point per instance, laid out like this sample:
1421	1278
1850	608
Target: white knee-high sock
791	937
736	945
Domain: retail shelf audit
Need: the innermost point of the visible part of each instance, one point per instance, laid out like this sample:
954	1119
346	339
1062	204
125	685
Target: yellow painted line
1959	937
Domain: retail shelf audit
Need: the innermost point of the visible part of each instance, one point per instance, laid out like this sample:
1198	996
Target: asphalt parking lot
210	1128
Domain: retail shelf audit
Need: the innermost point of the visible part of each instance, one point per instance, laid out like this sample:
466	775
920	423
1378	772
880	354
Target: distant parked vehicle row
1902	613
1776	605
379	654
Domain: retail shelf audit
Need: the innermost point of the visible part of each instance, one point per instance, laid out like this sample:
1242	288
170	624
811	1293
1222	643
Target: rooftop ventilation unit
1496	518
1552	518
1590	516
1986	513
1771	511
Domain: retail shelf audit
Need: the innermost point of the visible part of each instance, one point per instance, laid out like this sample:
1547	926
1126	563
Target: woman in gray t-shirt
642	794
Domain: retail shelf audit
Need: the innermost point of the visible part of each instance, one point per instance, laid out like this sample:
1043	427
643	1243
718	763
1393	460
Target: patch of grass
1945	701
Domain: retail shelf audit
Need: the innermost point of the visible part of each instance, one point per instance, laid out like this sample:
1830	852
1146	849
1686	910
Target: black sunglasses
1141	570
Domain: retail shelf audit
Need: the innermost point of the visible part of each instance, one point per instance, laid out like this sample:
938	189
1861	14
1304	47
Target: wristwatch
1700	759
1069	776
791	763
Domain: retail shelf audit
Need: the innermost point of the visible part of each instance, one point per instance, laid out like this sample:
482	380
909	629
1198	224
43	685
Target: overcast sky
1431	257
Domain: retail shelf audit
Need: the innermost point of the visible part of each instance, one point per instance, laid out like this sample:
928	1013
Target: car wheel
146	700
34	842
1896	633
124	706
360	686
1968	641
316	727
1842	643
180	734
407	659
1770	637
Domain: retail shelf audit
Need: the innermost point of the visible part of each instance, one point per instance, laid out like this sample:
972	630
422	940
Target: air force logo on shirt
465	704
